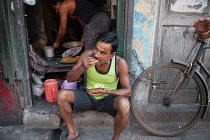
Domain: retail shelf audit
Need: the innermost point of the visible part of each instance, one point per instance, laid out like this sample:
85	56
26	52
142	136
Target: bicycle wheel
166	103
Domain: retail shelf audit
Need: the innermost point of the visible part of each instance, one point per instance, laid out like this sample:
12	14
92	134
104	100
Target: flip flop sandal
70	138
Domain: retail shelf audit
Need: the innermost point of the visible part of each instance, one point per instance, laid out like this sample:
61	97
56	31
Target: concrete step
43	115
46	116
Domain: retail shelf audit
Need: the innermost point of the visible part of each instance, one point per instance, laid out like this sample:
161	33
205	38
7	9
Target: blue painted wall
143	33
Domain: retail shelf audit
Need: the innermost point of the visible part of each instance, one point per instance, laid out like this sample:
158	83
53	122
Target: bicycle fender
202	80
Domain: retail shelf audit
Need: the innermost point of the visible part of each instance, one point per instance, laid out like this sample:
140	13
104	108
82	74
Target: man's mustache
95	57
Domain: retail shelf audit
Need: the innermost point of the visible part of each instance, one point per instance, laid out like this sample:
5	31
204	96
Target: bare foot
73	135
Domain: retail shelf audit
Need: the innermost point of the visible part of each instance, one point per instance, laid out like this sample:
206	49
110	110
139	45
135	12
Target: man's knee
124	104
62	95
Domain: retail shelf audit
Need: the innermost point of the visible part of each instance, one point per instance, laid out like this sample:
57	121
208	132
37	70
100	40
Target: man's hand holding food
89	62
97	90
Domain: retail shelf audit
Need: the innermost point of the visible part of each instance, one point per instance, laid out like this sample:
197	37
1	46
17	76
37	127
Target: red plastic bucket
51	90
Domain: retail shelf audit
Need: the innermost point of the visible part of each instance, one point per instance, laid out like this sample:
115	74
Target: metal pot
49	51
71	44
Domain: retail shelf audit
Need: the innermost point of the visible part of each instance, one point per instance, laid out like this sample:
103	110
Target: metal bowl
71	44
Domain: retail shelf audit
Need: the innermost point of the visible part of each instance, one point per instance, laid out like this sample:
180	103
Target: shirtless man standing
92	20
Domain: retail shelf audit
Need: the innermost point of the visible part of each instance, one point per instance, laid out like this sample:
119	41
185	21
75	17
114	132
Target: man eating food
102	66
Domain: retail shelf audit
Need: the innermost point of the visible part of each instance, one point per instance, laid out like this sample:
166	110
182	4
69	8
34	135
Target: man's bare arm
63	25
84	62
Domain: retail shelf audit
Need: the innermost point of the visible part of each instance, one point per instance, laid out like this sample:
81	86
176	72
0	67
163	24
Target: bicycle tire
156	110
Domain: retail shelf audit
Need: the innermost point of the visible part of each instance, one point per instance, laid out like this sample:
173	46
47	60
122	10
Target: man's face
57	7
102	52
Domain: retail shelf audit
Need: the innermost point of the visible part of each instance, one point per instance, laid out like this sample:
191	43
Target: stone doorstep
46	116
43	116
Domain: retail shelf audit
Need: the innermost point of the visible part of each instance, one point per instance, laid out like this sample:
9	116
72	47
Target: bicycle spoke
183	90
164	102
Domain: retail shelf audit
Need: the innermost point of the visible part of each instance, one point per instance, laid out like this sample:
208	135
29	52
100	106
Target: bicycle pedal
154	87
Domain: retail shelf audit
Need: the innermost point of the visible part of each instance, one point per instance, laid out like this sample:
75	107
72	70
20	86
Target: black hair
109	37
54	2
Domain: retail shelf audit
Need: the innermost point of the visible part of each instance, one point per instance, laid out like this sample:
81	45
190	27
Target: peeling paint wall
143	33
144	20
189	6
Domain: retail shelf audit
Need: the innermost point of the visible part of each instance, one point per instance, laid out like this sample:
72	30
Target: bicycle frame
196	60
192	68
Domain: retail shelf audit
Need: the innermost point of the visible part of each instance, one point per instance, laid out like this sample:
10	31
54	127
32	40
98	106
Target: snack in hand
95	89
96	61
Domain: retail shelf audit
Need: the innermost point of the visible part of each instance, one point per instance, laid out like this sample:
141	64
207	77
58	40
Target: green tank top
108	79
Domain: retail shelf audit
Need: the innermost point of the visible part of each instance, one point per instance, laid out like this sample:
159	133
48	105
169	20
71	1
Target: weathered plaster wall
143	33
189	6
10	112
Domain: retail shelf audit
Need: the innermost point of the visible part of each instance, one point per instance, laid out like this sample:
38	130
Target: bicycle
169	98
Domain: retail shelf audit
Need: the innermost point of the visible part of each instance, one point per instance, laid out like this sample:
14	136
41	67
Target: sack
38	64
37	89
37	85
